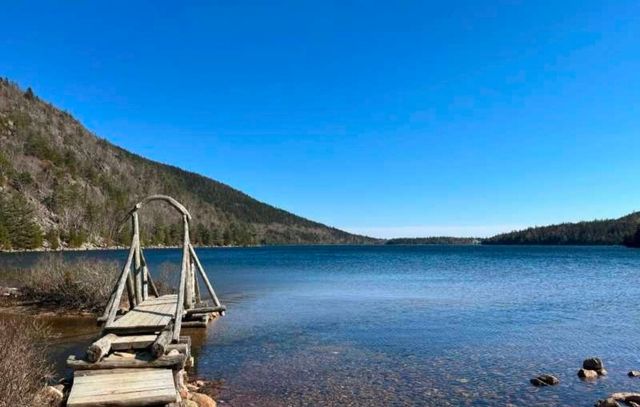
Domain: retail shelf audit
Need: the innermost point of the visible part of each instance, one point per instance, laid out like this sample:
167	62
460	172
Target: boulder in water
593	364
587	374
634	373
545	380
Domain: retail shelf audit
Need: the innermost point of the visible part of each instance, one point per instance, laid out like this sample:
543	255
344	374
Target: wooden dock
139	357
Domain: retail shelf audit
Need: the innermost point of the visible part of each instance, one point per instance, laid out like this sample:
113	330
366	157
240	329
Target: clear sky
389	118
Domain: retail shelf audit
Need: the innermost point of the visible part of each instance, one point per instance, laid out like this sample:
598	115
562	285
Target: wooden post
137	273
188	294
100	348
105	314
120	287
214	297
131	291
151	284
164	339
196	283
183	276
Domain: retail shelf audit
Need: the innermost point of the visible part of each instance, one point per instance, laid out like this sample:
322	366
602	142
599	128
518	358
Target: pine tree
17	221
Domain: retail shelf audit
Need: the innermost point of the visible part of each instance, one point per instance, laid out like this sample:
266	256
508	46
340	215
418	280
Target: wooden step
122	387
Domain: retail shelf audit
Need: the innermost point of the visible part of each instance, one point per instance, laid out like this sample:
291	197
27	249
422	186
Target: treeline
597	232
433	240
633	240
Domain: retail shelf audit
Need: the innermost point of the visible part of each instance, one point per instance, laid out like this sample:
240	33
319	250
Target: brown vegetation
24	367
78	286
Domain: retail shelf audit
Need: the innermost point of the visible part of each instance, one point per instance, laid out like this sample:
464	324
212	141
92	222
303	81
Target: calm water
433	325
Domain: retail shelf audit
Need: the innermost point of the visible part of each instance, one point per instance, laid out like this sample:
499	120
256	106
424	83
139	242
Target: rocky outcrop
609	402
592	368
627	399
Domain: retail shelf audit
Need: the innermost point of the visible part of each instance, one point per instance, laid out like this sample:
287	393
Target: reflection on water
410	325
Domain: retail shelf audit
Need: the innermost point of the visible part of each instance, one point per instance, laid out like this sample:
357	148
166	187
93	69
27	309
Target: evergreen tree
17	223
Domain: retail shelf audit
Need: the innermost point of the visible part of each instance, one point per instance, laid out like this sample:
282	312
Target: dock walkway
139	357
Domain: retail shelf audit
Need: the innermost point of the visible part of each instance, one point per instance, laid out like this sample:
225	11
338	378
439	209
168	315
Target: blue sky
385	118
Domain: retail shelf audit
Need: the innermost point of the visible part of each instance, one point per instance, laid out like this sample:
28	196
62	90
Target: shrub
81	286
24	366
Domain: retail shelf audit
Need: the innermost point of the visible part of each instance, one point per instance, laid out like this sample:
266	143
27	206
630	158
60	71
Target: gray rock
634	373
587	374
537	382
593	364
602	372
545	380
627	397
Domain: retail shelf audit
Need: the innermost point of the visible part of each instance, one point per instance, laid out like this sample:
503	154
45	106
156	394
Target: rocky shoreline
592	369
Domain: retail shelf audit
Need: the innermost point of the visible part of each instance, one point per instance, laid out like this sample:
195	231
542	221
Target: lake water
413	325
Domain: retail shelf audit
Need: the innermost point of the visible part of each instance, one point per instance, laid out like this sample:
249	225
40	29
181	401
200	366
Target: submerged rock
587	374
610	402
626	397
537	382
545	380
593	364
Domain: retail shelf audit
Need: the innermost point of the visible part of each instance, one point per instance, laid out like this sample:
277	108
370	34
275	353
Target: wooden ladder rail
212	293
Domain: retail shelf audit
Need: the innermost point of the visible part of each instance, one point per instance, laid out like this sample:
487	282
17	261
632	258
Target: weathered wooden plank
206	310
122	387
183	275
141	360
120	287
133	342
151	315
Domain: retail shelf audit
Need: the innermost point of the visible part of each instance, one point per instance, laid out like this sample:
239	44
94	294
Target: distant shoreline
482	243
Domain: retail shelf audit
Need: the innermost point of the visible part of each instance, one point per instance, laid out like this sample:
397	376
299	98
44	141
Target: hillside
597	232
62	185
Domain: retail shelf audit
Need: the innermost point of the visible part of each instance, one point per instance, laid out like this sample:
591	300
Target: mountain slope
597	232
78	186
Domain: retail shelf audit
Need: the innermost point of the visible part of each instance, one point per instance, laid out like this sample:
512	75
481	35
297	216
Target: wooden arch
137	280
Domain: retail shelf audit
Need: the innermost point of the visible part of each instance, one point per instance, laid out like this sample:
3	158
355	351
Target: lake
409	325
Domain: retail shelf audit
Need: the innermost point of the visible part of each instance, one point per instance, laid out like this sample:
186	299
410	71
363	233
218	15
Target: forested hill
434	240
597	232
61	185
